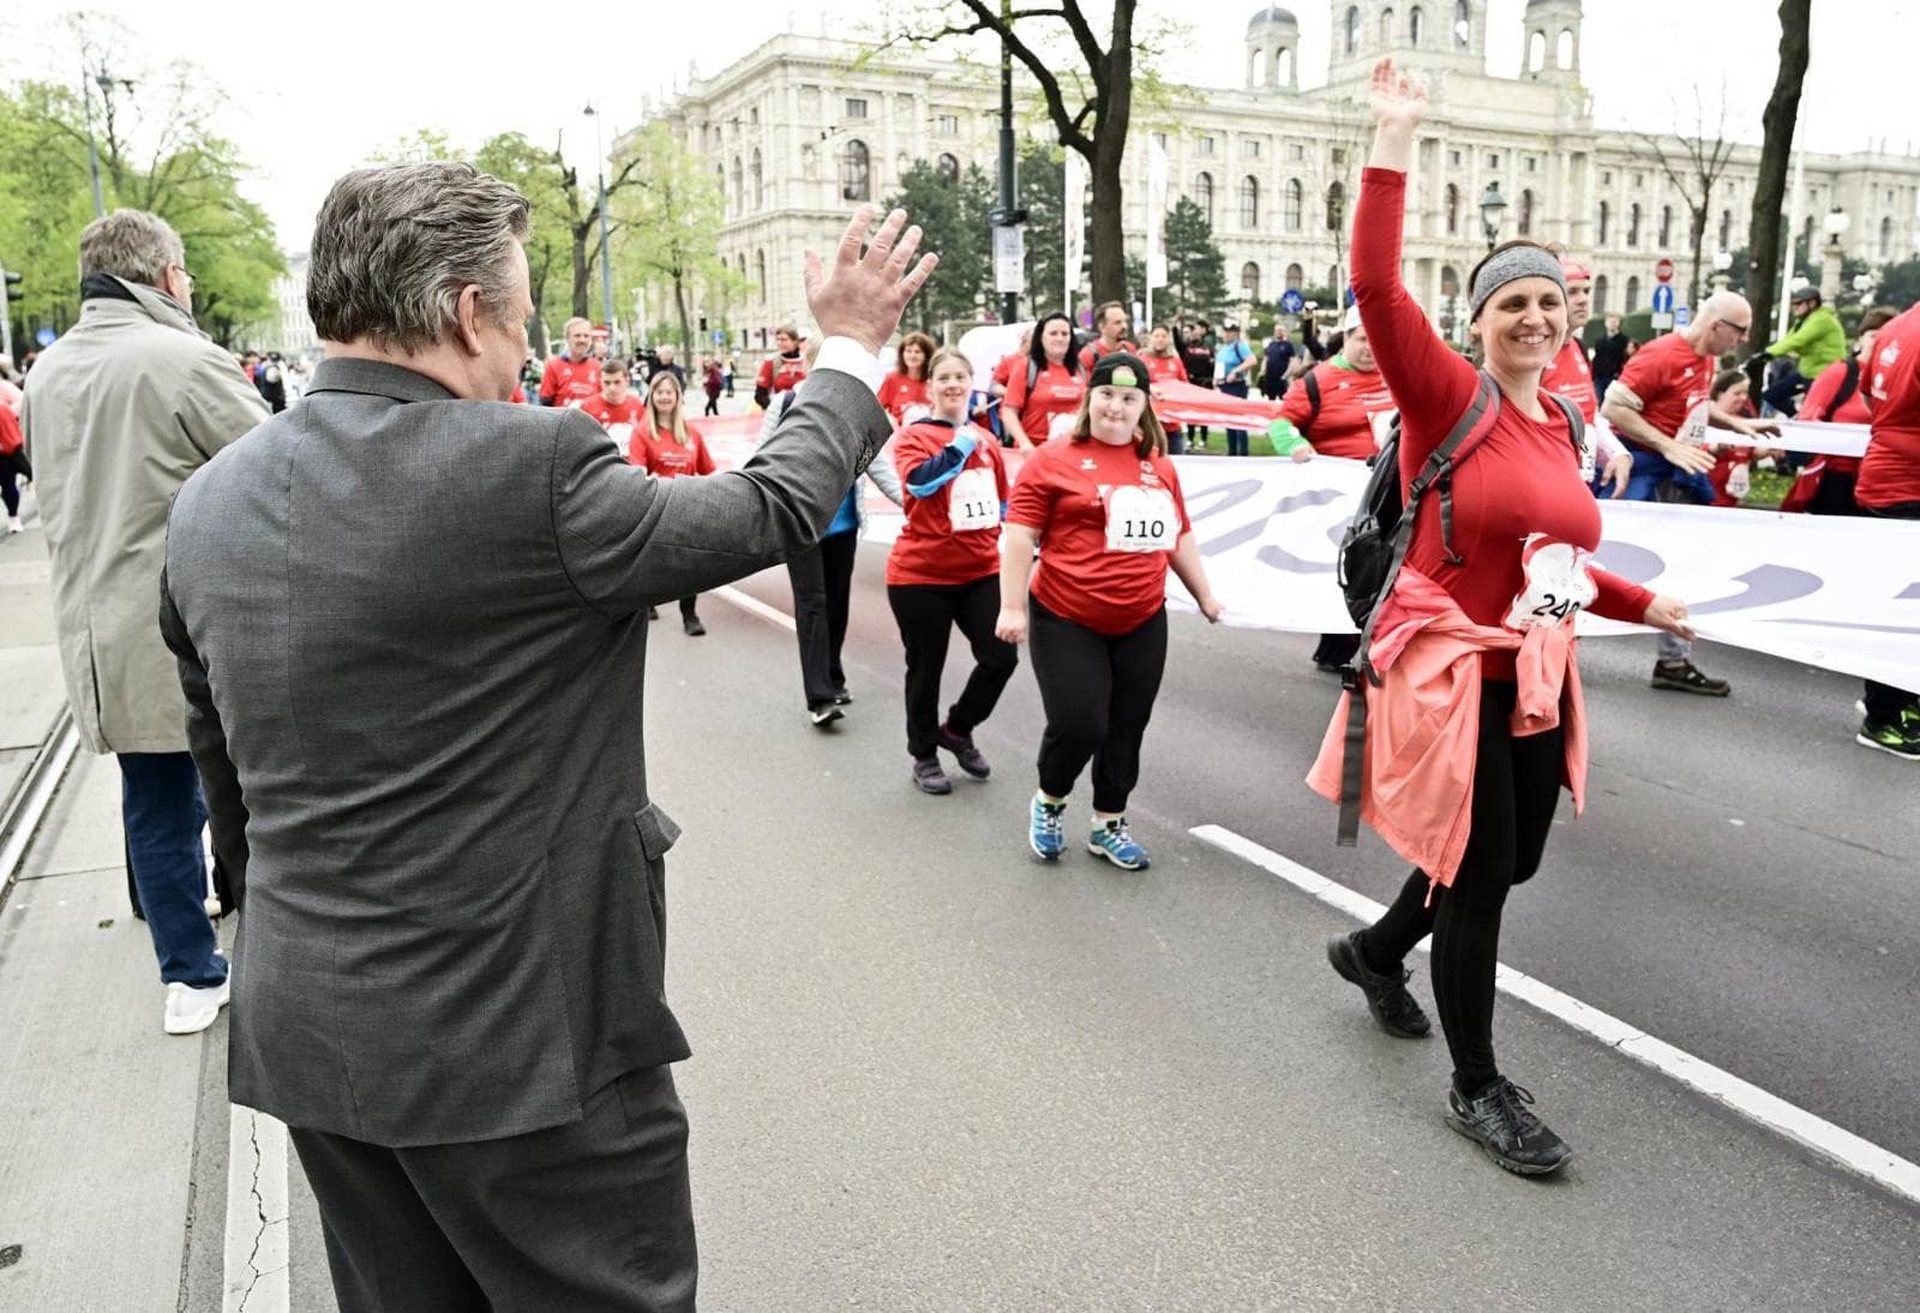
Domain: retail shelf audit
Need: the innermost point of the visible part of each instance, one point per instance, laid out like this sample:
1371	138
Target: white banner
1798	435
1073	210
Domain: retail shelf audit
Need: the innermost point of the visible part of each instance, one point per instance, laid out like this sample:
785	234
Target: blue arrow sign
45	337
1663	298
1291	302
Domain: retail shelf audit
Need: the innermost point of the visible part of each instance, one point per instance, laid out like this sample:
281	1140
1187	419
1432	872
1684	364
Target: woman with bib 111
1103	504
944	572
1474	712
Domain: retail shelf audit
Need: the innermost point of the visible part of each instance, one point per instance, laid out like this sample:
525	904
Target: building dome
1270	19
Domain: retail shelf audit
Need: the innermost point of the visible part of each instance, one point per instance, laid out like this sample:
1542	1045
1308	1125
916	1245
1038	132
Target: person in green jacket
1817	340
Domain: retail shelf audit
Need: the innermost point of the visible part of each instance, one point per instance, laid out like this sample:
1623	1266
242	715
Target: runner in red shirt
1889	486
1111	321
1103	504
1165	365
782	371
615	407
670	449
944	572
906	385
1570	374
1516	488
1732	472
1336	404
573	375
1838	395
1046	393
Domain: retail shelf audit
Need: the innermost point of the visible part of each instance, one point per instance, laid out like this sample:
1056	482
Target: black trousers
14	466
927	615
822	592
1098	693
592	1216
1516	787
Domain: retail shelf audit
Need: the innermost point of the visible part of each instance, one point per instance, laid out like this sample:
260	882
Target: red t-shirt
564	382
781	373
1003	372
897	392
1054	392
665	458
1673	382
519	397
619	421
1348	402
1569	374
1165	369
11	439
944	542
1107	521
1521	478
1890	471
1093	350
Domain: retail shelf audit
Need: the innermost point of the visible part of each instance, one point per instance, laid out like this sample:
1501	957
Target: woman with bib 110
1473	705
944	572
1103	504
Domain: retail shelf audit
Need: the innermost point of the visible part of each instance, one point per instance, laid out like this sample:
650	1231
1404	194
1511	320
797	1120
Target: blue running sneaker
1045	835
1114	842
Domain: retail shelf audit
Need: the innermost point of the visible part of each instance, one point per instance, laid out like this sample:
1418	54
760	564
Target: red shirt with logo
1093	350
1890	471
1569	374
665	458
1349	400
1673	382
945	541
1055	391
564	382
619	421
897	392
1107	519
781	373
1165	369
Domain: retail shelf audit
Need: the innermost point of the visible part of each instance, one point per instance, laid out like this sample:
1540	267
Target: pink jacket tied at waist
1423	720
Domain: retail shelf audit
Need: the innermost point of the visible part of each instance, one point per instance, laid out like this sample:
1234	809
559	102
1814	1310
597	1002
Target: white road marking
1841	1146
256	1247
754	606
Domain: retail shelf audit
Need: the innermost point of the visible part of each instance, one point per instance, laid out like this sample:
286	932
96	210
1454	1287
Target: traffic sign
1663	299
1663	270
1291	302
45	337
1682	317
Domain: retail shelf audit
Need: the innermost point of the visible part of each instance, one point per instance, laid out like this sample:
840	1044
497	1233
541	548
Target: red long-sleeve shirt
1522	478
1890	471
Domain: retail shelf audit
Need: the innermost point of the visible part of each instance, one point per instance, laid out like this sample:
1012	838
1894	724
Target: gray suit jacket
411	636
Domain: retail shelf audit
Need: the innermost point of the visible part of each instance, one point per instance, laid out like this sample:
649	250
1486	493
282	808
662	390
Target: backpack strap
1312	383
1360	673
1848	386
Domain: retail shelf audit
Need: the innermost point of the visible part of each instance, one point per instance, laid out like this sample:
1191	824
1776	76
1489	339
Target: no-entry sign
1663	270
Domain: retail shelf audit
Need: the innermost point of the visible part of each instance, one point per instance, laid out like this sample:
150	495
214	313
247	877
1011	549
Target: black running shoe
928	777
693	627
961	746
842	698
1684	677
1387	997
1500	1119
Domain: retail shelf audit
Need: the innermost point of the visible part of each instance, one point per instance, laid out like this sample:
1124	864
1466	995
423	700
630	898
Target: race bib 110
1141	520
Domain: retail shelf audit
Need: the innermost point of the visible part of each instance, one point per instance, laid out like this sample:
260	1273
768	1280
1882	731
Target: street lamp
1722	270
1834	255
1493	212
105	82
606	267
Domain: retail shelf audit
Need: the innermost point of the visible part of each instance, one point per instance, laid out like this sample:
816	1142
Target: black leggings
822	593
1516	786
1098	693
13	465
927	615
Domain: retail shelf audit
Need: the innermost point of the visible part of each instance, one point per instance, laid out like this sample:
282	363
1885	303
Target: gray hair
132	245
1508	264
394	246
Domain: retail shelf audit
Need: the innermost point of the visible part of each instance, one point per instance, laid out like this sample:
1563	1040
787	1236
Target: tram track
32	797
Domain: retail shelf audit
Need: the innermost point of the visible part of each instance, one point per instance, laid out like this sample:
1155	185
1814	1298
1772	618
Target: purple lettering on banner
1636	565
1246	533
1225	496
1285	560
1765	585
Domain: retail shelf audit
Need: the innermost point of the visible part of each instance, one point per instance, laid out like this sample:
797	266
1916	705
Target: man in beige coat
117	414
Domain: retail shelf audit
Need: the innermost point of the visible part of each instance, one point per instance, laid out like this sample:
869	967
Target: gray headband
1514	262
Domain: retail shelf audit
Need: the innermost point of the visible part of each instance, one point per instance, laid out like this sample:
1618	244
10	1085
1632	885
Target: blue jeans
161	807
1654	475
1236	438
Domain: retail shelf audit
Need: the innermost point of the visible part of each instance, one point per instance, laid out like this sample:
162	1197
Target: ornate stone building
802	127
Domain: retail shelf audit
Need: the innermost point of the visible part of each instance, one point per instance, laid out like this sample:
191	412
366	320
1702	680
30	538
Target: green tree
1899	284
514	159
667	219
1196	270
952	214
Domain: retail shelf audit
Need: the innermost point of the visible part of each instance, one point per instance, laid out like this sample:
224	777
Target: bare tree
583	221
1783	110
1097	127
1694	163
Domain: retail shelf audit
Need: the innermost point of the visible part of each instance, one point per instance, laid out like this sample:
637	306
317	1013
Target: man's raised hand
864	294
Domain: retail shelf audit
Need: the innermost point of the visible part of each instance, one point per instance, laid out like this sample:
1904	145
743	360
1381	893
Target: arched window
1296	277
760	273
1606	214
1453	210
1462	24
1336	207
720	181
1203	195
1416	25
1257	70
1666	226
1600	295
856	172
739	189
1633	224
1250	281
1449	280
1633	294
1386	29
1526	212
1563	52
949	169
1250	202
1283	68
1536	52
759	182
1295	199
1886	238
1726	230
1353	29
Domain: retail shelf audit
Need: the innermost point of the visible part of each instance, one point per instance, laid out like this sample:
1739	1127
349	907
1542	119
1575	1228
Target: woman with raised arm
1476	636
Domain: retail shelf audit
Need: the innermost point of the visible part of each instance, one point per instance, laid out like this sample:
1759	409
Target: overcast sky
313	91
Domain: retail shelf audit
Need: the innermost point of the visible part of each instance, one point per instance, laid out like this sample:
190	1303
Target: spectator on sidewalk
122	409
1235	363
1278	366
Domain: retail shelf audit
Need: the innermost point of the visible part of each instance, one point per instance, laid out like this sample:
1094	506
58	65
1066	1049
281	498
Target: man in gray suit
411	627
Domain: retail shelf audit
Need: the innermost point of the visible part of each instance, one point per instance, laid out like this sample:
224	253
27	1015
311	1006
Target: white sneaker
190	1010
14	525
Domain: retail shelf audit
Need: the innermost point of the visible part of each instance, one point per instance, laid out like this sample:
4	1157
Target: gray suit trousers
595	1216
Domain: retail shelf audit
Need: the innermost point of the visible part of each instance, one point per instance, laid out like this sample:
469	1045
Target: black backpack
1375	545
